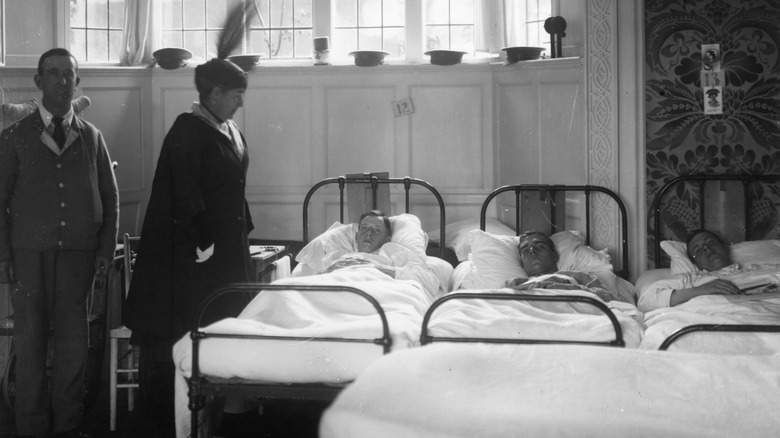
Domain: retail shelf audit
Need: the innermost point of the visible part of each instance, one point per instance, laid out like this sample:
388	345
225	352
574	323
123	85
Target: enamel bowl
171	58
515	54
369	58
445	57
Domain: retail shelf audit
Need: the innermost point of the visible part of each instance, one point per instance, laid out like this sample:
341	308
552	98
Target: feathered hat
219	71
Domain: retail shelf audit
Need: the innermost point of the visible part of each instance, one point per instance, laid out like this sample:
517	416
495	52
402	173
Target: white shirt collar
46	116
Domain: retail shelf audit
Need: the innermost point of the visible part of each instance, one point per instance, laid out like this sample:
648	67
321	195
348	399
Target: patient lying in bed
539	258
715	274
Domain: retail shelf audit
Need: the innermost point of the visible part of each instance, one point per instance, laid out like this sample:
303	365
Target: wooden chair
127	357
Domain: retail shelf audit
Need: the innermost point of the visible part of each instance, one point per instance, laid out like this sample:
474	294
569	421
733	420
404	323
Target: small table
263	258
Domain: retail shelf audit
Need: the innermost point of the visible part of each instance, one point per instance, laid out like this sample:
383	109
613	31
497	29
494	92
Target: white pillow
340	239
745	253
458	238
574	255
496	258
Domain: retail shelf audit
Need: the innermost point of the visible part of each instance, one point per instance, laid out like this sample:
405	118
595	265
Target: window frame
322	22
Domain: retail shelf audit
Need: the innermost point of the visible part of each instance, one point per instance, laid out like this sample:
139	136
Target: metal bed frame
700	181
551	192
201	385
426	338
374	182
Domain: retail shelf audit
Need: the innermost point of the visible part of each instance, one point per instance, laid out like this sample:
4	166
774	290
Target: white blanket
536	320
476	390
318	314
717	309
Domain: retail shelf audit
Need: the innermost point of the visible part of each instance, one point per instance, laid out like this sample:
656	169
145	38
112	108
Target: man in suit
59	212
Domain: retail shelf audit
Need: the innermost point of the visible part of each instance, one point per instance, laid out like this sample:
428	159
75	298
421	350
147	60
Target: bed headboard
585	208
738	207
374	182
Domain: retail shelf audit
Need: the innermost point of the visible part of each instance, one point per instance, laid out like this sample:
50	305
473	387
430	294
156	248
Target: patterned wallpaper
681	139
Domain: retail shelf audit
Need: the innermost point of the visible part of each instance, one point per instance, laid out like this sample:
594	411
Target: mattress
459	390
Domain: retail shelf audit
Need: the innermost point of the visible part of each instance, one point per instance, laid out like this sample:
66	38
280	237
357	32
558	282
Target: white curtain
501	24
136	42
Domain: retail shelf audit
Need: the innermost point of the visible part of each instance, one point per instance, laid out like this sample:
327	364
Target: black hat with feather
219	71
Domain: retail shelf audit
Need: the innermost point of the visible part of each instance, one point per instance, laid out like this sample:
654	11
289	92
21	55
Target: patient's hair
530	233
695	233
57	51
379	214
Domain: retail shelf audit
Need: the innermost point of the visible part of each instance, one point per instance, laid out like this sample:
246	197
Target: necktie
59	131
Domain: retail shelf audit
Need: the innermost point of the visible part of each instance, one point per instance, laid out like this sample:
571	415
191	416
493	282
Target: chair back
129	248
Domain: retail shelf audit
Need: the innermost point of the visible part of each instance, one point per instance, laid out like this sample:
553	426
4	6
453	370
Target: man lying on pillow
716	275
539	259
375	249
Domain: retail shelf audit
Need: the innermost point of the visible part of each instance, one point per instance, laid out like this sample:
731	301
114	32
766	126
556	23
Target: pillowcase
496	258
458	238
339	239
745	253
12	112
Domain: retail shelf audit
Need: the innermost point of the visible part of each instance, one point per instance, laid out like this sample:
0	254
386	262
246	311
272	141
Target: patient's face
708	252
371	234
537	256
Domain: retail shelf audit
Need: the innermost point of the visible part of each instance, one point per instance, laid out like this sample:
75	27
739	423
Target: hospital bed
491	387
575	218
307	337
741	208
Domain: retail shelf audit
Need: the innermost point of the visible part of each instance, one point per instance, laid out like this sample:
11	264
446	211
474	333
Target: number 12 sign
403	107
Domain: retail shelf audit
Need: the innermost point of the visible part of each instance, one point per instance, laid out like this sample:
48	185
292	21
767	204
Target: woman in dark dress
195	232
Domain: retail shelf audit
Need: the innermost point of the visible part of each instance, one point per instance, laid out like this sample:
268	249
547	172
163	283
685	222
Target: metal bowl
445	57
247	61
515	54
369	58
171	58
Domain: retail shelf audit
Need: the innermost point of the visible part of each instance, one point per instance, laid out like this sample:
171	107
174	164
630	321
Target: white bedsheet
717	309
534	319
306	314
476	390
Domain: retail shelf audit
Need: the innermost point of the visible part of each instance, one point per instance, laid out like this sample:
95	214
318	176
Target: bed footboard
426	338
718	328
201	385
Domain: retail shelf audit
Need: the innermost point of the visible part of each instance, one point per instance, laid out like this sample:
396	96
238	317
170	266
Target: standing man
59	208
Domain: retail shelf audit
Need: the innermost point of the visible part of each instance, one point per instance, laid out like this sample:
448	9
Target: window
286	28
450	24
370	25
96	29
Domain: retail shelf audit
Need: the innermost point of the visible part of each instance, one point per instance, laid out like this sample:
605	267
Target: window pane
462	38
78	13
262	6
78	43
304	44
303	13
171	15
437	12
281	13
194	14
281	44
171	39
370	13
344	41
462	11
97	46
114	45
369	39
195	42
437	37
346	13
212	36
97	13
394	13
116	14
394	42
259	43
216	12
